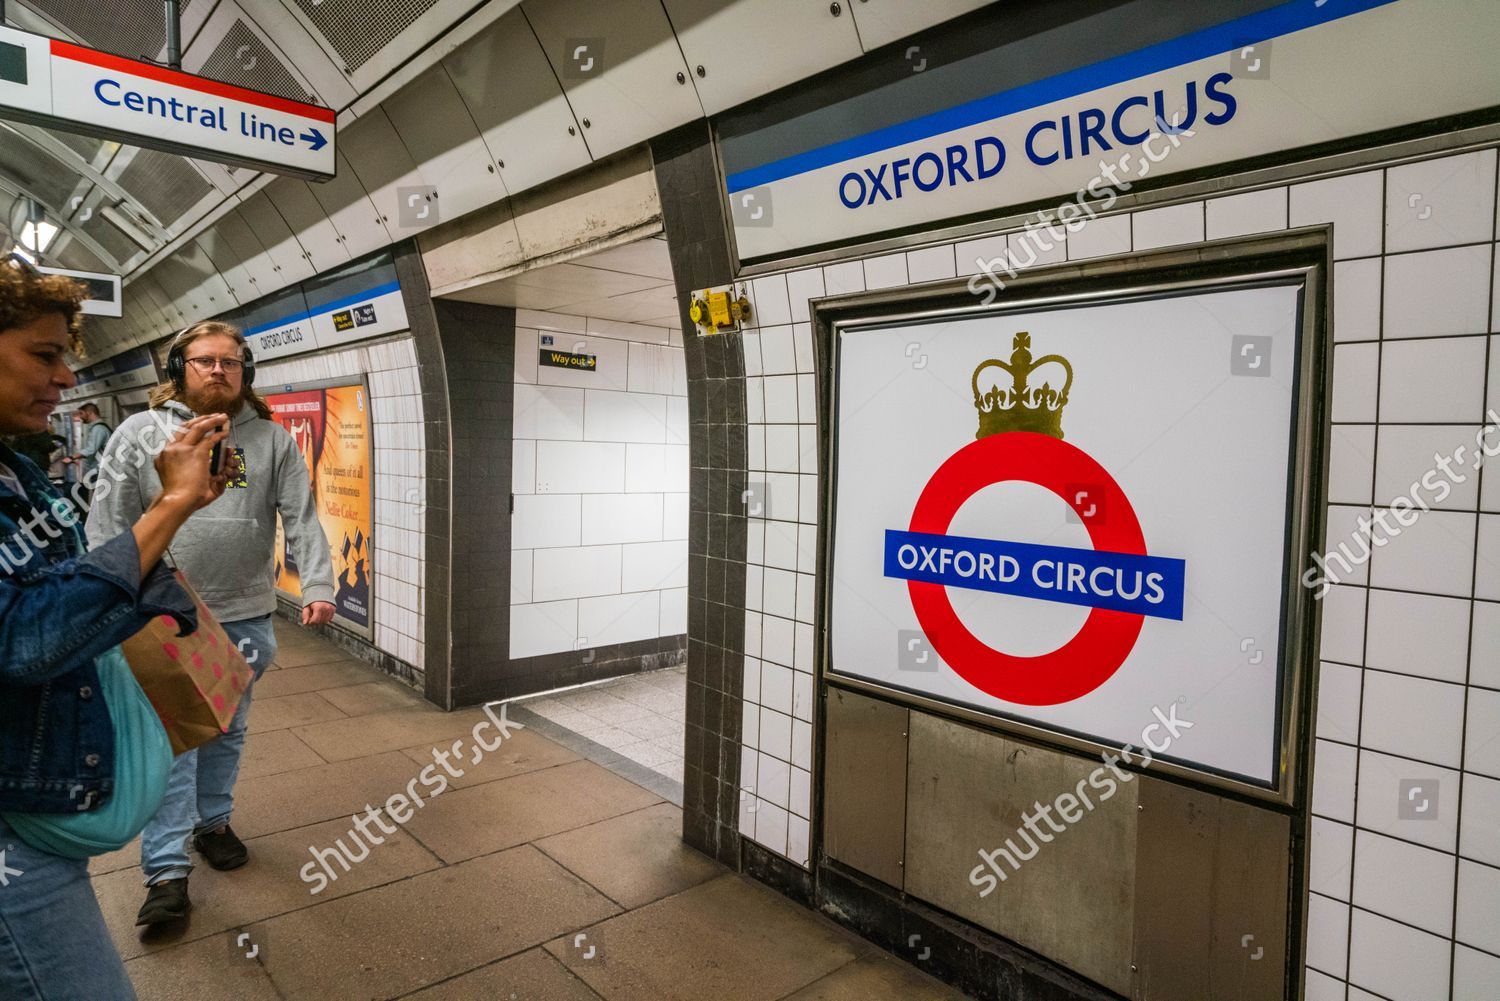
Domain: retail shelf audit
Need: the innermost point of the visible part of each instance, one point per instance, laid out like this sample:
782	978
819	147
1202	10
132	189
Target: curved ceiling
445	106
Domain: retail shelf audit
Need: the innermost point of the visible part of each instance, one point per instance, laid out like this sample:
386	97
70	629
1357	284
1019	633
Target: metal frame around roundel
1093	655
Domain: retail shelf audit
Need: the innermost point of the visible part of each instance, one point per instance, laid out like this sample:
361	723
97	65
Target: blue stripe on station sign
337	304
1030	570
1248	30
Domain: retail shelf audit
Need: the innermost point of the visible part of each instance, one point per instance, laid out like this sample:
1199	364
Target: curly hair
26	294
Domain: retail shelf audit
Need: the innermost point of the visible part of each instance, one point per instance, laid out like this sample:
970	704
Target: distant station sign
59	85
104	290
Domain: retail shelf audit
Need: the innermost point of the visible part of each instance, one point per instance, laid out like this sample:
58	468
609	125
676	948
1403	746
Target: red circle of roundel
1087	660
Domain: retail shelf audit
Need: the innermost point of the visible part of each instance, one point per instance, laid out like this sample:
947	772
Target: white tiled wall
400	542
1405	898
599	536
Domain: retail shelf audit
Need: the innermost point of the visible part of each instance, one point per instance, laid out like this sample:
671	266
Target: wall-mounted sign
567	359
356	316
59	85
104	290
332	429
1076	519
1093	106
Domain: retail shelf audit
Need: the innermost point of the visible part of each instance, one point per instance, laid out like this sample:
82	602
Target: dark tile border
531	675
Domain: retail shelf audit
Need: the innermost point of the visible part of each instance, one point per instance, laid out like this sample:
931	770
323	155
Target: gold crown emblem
1020	406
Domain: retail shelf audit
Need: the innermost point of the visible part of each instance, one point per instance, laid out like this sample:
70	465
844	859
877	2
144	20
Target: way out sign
55	84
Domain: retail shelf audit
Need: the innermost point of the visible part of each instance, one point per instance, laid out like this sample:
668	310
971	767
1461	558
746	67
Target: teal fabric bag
143	762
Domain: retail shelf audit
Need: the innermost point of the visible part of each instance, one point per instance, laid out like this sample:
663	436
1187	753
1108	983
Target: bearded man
227	553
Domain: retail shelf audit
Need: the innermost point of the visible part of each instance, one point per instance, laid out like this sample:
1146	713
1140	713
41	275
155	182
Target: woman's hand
187	482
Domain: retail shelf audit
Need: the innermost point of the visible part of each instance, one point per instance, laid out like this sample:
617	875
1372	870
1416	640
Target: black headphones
177	362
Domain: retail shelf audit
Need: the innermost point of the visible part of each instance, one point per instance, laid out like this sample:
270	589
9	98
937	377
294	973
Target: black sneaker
166	901
221	849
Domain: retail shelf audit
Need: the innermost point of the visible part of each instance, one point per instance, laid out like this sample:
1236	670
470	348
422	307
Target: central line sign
60	85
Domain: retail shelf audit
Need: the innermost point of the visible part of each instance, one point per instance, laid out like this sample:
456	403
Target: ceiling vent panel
109	236
243	58
442	138
354	218
163	184
320	242
521	113
289	261
30	167
394	188
133	28
358	31
882	22
796	38
619	63
76	256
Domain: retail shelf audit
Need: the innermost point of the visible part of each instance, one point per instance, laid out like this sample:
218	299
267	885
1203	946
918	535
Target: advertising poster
1076	518
332	429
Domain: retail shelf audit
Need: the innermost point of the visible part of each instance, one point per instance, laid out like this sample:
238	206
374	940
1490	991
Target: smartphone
216	457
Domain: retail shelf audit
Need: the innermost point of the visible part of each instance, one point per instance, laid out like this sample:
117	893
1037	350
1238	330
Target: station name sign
59	85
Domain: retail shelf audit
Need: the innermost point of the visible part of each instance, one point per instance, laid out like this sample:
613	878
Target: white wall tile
776	736
802	343
579	467
1435	554
677	420
542	521
781	448
1040	245
1351	463
778	355
520	576
654	566
1431	380
1348	542
931	264
1356	299
1251	212
1481	819
885	272
771	827
551	412
1338	702
610	416
1412	717
844	278
1479	906
621	330
618	618
653	368
777	641
802	287
780	595
780	399
802	695
1327	935
1395	961
673	612
575	572
1099	237
1352	203
1441	202
1418	634
1334	770
1475	975
557	322
776	687
750	347
536	629
1482	734
1404	881
798	837
1344	624
773	777
750	725
1356	371
1437	293
1331	864
1168	226
1487	567
526	355
1409	800
1408	459
987	252
1322	987
611	518
769	298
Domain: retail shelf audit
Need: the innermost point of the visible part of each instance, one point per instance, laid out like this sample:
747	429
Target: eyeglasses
206	365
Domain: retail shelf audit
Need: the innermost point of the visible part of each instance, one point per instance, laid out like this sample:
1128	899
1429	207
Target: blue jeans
200	791
53	942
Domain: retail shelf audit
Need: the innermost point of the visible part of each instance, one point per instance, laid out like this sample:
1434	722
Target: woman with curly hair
63	614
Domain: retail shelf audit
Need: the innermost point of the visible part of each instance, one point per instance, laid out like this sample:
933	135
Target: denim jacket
59	609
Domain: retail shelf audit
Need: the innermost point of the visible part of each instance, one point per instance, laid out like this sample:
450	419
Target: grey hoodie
227	550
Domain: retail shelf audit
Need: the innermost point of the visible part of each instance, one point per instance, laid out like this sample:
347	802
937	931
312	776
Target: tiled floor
638	718
537	875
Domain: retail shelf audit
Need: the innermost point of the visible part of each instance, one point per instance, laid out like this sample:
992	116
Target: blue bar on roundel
1124	582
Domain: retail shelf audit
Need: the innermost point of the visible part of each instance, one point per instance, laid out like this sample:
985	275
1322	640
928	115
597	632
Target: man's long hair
169	390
